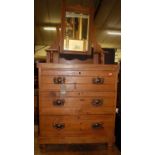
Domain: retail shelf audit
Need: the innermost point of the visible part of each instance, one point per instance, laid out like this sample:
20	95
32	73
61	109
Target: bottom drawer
79	126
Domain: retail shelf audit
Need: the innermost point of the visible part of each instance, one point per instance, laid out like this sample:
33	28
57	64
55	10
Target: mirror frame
76	9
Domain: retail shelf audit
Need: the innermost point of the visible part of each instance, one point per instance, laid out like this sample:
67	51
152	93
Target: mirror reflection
76	32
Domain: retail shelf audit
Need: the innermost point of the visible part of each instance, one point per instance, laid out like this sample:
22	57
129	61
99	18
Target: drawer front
79	73
76	79
72	106
76	125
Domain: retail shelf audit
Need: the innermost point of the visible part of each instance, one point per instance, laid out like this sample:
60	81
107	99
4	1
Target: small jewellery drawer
79	73
75	125
70	106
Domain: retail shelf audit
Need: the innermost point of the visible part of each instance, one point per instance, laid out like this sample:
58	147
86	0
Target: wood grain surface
75	119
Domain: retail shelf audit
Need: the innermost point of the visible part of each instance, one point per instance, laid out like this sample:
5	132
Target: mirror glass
76	32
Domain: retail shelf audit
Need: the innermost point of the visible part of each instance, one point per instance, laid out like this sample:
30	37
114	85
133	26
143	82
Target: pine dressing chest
77	98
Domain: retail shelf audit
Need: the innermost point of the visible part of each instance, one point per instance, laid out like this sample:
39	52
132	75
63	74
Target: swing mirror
76	34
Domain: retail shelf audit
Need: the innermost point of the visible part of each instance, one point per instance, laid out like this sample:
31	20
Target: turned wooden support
102	58
48	57
55	57
96	58
111	142
52	56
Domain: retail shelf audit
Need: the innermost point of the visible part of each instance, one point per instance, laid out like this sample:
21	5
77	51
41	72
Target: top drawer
83	75
47	69
80	73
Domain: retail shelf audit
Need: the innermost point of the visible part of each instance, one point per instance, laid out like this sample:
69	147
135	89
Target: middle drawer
76	105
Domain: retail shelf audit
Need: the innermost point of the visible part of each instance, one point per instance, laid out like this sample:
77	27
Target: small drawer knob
59	102
97	125
98	80
59	125
97	102
59	80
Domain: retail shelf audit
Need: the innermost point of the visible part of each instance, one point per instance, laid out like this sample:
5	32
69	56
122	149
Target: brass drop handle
59	125
97	102
59	80
98	80
97	125
59	102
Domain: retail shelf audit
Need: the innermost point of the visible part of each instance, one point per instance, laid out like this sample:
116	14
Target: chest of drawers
77	103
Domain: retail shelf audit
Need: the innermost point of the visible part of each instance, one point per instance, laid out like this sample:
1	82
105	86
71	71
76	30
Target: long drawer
84	125
77	79
76	105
